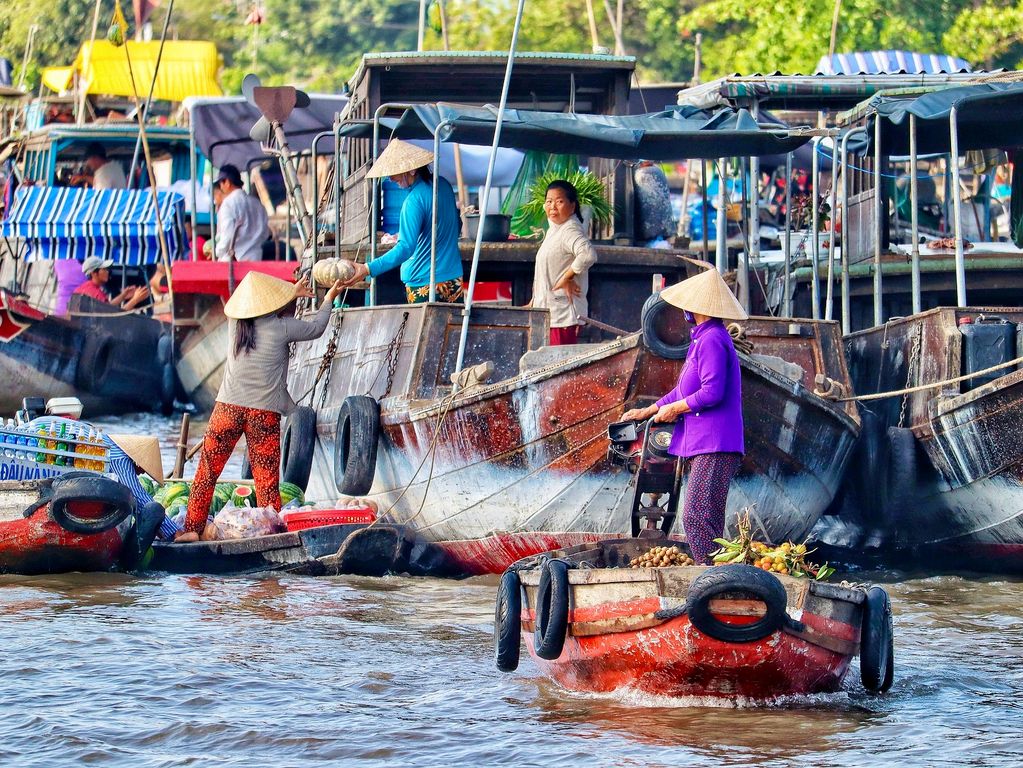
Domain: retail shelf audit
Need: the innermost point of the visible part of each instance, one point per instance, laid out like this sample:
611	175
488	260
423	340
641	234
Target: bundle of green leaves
589	188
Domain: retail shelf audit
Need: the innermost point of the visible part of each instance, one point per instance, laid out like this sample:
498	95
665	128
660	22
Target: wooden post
182	446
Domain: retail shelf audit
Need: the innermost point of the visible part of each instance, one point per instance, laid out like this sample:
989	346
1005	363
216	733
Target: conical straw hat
144	450
399	157
259	294
705	294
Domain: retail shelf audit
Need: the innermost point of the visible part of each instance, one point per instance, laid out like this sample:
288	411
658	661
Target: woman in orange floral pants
261	326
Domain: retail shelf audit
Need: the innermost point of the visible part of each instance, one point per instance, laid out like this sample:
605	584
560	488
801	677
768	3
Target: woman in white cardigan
562	262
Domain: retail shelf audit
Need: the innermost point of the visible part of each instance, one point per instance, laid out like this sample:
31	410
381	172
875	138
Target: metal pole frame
485	200
721	255
953	134
846	308
433	216
754	210
815	284
316	194
914	216
829	294
193	171
786	285
337	187
878	314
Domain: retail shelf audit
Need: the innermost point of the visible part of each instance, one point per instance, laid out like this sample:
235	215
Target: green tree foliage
990	34
59	33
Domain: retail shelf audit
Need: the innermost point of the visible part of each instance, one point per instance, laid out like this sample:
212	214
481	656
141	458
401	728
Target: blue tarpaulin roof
118	224
674	134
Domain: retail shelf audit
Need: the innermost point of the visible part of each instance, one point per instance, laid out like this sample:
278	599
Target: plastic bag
246	523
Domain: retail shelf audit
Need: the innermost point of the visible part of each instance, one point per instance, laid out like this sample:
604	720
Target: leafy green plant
589	188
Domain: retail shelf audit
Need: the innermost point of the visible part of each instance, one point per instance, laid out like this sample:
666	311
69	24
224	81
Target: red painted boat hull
37	545
675	659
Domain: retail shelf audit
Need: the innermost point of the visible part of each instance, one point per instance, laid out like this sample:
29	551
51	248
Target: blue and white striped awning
891	63
118	224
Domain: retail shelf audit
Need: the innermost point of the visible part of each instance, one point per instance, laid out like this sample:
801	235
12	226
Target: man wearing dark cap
101	172
241	220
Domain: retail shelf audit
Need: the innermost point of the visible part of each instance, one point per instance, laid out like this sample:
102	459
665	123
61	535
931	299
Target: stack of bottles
72	446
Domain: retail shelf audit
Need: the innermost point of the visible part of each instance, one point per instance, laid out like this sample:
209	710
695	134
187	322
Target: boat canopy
187	68
118	224
811	92
221	127
988	116
673	134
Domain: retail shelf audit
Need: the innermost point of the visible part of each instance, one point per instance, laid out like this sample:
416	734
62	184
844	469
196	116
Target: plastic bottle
22	442
41	443
9	439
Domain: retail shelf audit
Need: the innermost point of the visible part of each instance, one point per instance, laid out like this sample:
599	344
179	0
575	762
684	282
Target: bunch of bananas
662	557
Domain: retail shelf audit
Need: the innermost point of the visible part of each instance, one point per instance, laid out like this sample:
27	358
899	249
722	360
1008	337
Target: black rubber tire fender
94	364
877	651
743	579
94	489
168	386
297	445
655	319
508	622
140	537
355	445
902	468
551	610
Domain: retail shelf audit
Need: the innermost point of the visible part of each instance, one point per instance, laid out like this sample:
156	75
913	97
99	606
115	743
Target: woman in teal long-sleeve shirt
408	166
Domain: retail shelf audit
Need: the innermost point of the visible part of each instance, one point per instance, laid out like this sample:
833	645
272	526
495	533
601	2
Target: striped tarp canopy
118	224
890	63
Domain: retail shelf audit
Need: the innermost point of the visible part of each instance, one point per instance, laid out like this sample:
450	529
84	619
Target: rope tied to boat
920	387
739	340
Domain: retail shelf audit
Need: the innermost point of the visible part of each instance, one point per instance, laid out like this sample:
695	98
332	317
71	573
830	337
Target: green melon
291	492
172	492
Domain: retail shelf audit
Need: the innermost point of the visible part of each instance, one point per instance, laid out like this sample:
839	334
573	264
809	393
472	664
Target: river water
114	670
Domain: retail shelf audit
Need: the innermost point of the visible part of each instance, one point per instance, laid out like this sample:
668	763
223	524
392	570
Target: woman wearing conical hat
408	166
254	393
706	406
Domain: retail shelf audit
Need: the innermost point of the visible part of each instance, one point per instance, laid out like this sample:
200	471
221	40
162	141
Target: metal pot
496	226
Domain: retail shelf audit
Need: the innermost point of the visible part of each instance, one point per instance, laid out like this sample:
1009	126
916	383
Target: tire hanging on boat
508	622
140	537
663	334
551	610
355	445
297	447
742	579
109	503
94	364
877	652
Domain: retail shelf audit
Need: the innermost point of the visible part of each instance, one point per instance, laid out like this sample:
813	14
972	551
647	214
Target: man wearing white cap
97	273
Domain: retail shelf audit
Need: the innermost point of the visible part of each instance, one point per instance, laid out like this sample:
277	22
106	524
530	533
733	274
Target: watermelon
172	492
150	485
291	492
243	496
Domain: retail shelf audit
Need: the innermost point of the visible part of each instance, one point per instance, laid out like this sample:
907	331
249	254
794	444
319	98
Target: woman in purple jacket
706	405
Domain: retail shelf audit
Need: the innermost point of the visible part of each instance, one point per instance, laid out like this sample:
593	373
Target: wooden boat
936	479
366	550
76	522
519	464
111	361
594	625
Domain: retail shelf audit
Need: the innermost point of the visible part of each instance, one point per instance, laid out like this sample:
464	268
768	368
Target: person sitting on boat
408	166
254	393
128	456
101	172
97	272
242	225
706	405
562	263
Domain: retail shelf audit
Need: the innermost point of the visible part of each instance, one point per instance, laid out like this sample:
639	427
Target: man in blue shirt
408	166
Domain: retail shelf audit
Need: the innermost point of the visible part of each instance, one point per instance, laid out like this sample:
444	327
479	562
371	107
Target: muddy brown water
110	669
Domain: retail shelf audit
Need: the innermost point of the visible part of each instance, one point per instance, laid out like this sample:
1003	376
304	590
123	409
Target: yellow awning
58	78
187	68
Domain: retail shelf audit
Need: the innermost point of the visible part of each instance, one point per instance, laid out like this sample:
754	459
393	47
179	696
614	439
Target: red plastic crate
314	518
